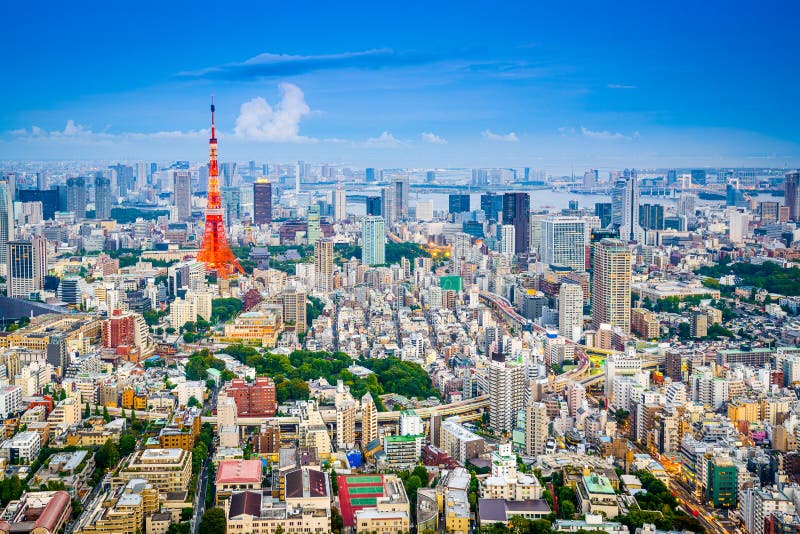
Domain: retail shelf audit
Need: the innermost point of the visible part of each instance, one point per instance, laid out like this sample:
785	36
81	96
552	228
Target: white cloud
605	134
259	121
384	140
78	133
621	86
511	136
433	138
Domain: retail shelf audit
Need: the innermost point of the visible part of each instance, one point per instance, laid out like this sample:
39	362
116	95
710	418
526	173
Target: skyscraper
323	265
76	197
651	216
458	203
698	177
611	287
792	194
313	229
6	218
517	211
603	211
231	198
401	186
125	180
388	211
618	202
339	203
631	230
102	198
182	193
27	267
491	205
41	181
374	206
369	174
262	202
373	236
570	311
564	242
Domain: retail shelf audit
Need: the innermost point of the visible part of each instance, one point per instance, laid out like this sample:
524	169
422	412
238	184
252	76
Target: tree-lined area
290	373
769	275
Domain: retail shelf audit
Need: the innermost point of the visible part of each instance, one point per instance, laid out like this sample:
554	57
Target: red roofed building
237	475
42	512
257	399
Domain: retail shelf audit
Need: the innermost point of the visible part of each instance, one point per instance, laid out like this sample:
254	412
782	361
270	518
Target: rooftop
239	471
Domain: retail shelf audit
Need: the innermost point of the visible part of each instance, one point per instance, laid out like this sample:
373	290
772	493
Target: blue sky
550	85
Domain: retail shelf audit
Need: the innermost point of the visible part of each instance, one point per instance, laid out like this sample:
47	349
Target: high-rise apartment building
323	265
27	266
507	240
373	236
294	309
102	198
369	419
570	311
262	202
516	211
564	242
792	194
536	428
182	194
506	381
76	197
611	287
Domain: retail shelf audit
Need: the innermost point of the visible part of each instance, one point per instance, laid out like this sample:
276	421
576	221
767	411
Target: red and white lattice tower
215	251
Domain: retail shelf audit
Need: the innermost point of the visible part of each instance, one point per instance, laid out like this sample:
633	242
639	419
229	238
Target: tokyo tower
215	251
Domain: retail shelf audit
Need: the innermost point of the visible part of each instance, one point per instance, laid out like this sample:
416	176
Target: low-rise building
23	447
596	496
123	509
168	470
237	475
257	512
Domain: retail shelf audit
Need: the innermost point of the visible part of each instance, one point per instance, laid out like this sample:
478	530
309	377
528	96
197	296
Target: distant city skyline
549	87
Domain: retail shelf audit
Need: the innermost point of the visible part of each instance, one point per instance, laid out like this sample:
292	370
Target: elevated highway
504	307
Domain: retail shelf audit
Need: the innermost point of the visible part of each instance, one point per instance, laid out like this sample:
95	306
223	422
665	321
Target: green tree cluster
395	251
768	275
213	521
314	308
225	309
200	361
129	215
10	489
290	373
